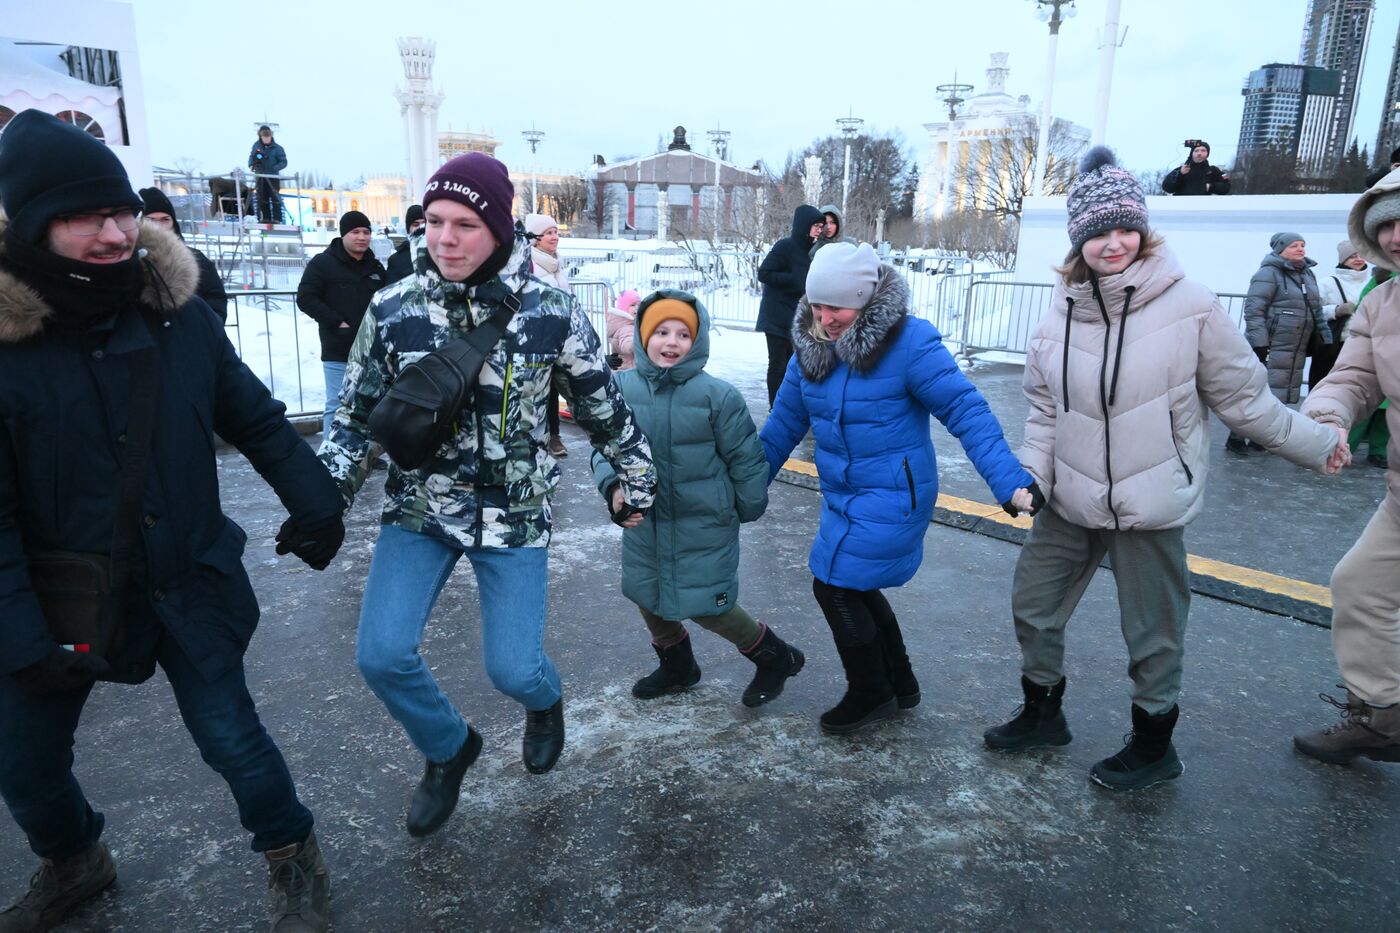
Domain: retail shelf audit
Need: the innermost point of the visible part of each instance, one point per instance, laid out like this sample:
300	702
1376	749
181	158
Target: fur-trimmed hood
169	276
862	345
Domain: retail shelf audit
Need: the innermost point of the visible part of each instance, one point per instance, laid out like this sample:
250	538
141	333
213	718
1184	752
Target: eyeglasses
91	224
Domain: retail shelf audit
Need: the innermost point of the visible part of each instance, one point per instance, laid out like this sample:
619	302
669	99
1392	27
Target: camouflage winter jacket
489	485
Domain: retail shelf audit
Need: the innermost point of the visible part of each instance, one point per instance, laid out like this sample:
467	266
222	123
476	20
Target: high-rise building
1335	34
1293	106
1388	133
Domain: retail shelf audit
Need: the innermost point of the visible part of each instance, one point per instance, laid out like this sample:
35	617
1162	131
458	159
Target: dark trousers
269	200
779	352
551	415
1323	359
856	617
36	759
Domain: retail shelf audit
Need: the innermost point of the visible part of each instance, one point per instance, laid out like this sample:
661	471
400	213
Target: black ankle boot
436	795
776	661
678	671
58	887
901	672
869	696
1039	721
544	737
1148	758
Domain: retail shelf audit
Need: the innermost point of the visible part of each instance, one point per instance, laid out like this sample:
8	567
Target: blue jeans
36	759
405	577
335	375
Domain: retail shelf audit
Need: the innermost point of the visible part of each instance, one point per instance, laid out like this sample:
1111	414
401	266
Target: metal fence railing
280	345
1000	315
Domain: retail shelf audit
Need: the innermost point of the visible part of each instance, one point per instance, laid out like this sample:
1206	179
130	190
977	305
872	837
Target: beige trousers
1366	611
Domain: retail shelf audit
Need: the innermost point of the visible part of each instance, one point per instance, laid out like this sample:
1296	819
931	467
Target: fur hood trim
169	277
865	342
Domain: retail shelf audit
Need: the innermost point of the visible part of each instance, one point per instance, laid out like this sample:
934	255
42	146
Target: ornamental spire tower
418	105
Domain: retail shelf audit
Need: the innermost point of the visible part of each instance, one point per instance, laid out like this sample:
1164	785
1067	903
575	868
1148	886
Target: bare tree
1268	170
566	198
878	177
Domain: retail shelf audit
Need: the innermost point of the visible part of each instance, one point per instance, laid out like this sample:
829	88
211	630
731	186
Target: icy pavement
694	813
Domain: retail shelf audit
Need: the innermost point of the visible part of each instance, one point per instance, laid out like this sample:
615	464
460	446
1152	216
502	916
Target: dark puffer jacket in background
1281	311
1202	179
400	264
336	288
784	274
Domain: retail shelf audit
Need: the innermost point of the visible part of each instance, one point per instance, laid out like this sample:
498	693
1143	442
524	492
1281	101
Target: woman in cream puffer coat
1121	374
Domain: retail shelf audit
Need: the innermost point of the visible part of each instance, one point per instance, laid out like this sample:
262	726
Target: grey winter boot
1148	758
301	888
1365	731
1038	723
776	661
58	887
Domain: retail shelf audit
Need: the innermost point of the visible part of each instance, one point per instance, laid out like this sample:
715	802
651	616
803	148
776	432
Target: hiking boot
58	887
544	737
678	671
775	661
1148	758
1038	723
301	886
901	673
557	450
1365	731
869	696
1378	460
1237	445
436	795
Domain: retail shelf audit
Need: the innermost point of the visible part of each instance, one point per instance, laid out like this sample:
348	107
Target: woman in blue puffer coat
865	377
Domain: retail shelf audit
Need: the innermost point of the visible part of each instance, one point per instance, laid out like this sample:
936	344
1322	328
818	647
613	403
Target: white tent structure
27	84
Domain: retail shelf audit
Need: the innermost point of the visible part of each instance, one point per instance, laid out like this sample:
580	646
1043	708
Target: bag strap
1340	291
140	426
482	338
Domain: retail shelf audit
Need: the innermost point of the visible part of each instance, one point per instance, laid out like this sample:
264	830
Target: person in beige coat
543	233
1121	375
1366	582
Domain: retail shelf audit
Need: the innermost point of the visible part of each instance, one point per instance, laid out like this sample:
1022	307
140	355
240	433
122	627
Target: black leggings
551	414
779	352
856	617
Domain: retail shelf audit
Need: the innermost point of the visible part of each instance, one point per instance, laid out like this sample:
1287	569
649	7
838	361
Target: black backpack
421	410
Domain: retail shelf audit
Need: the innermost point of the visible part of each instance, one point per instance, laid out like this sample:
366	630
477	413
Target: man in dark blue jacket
784	277
268	160
87	295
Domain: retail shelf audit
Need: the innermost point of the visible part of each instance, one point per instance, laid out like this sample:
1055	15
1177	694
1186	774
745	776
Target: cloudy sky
610	76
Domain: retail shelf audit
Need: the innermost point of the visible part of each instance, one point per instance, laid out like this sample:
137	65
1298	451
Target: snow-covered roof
21	74
678	167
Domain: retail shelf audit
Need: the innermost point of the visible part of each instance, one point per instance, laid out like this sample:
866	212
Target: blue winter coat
65	393
867	398
683	560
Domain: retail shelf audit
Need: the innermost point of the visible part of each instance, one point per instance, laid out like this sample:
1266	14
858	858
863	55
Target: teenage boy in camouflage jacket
485	493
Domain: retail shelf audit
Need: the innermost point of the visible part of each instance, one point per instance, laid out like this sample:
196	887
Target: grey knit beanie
1103	197
1281	241
1383	209
843	275
1345	251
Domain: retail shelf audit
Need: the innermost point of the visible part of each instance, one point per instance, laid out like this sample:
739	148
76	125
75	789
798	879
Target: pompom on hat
1104	197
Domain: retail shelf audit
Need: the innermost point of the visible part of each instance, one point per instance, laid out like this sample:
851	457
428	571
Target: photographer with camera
267	161
1197	175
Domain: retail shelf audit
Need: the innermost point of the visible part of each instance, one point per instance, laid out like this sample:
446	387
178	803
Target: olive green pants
735	626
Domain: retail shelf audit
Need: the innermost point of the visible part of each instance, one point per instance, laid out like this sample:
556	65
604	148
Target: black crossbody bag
82	595
421	409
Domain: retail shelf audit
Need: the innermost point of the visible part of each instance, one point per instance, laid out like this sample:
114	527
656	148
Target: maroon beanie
481	183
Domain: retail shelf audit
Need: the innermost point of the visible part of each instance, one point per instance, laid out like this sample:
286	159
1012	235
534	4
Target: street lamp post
1048	10
719	142
850	128
952	95
533	137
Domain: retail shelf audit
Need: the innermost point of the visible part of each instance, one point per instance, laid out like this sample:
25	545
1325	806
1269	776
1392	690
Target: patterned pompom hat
1104	197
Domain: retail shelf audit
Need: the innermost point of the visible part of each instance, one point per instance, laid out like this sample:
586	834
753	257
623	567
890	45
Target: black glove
614	360
1262	353
61	670
623	513
314	542
1037	502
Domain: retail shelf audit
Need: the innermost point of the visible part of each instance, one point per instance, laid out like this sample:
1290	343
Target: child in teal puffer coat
682	560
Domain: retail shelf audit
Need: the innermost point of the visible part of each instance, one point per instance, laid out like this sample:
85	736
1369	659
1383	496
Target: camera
1193	143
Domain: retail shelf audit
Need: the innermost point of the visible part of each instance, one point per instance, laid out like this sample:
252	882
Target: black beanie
156	202
48	167
412	215
352	219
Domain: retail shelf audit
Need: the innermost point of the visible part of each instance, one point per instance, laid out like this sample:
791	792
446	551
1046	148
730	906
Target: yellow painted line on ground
1219	570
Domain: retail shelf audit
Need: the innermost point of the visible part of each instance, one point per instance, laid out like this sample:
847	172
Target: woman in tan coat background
1121	376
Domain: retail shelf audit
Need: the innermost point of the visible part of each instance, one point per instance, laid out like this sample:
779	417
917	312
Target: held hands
1341	454
623	514
61	670
1186	168
1030	500
314	542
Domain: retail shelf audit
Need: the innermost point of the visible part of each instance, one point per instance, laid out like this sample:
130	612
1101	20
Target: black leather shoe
436	796
544	737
